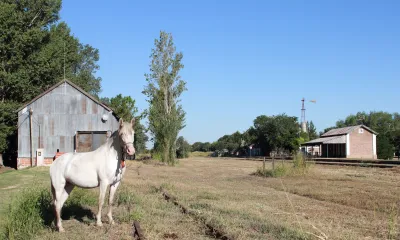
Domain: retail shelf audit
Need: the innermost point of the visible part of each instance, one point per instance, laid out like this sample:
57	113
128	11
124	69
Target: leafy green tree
164	87
218	146
206	147
277	133
182	148
200	147
231	142
312	131
8	118
304	137
126	109
197	146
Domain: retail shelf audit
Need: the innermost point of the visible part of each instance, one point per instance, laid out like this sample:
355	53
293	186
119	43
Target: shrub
300	165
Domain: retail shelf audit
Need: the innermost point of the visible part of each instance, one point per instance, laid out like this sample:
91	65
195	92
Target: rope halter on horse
124	153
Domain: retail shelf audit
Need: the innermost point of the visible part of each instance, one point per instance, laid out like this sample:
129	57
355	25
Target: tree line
282	134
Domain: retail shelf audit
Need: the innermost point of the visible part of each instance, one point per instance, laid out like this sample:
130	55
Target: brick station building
349	142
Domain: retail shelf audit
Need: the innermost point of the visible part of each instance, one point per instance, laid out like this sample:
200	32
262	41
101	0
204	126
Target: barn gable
58	115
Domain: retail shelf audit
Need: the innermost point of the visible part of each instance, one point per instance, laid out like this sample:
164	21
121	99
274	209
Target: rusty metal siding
61	112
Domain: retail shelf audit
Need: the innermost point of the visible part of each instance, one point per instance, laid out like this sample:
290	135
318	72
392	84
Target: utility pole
31	135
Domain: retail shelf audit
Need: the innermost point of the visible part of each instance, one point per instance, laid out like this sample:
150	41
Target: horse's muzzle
130	150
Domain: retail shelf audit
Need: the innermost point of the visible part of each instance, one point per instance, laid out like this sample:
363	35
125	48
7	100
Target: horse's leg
103	189
61	197
67	190
113	189
57	208
53	202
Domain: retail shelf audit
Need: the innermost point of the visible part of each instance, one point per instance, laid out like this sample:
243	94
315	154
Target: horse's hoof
112	222
99	224
61	229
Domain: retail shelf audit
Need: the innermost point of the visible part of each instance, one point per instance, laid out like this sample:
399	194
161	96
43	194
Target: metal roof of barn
327	140
345	130
73	85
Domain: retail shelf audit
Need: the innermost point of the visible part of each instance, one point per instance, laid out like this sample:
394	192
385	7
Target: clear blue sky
243	59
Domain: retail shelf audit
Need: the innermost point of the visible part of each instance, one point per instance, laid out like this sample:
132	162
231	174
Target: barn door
89	141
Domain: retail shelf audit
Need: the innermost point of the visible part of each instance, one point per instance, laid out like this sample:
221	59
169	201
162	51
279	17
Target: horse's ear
133	122
121	121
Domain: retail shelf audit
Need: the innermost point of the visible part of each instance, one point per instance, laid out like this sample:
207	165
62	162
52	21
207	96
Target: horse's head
126	136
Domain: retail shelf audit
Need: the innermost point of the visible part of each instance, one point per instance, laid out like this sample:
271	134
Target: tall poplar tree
164	87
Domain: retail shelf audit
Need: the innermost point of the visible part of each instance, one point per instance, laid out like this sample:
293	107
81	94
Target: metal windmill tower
303	121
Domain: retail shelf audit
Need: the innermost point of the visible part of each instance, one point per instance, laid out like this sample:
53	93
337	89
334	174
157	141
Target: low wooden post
264	165
273	162
137	231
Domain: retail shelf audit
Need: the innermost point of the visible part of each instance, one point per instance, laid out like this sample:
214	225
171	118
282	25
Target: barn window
360	130
86	141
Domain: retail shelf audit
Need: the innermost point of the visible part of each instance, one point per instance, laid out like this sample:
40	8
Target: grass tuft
200	154
207	196
132	214
393	226
29	212
279	171
82	197
299	166
131	202
126	197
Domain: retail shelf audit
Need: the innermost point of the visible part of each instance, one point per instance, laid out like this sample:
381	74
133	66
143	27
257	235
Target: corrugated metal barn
63	118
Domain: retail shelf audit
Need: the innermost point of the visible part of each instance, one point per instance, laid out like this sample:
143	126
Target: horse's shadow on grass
71	211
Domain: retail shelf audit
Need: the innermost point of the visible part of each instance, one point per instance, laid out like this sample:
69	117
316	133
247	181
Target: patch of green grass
135	214
278	171
278	231
12	182
124	196
17	177
167	186
200	154
207	196
30	210
29	213
299	166
80	196
157	156
393	227
200	206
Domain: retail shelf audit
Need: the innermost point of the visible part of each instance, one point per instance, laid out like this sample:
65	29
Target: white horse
102	167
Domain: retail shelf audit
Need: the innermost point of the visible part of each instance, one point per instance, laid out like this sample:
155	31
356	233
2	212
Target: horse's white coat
99	168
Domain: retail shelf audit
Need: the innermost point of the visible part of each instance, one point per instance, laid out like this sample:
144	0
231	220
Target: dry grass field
328	203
